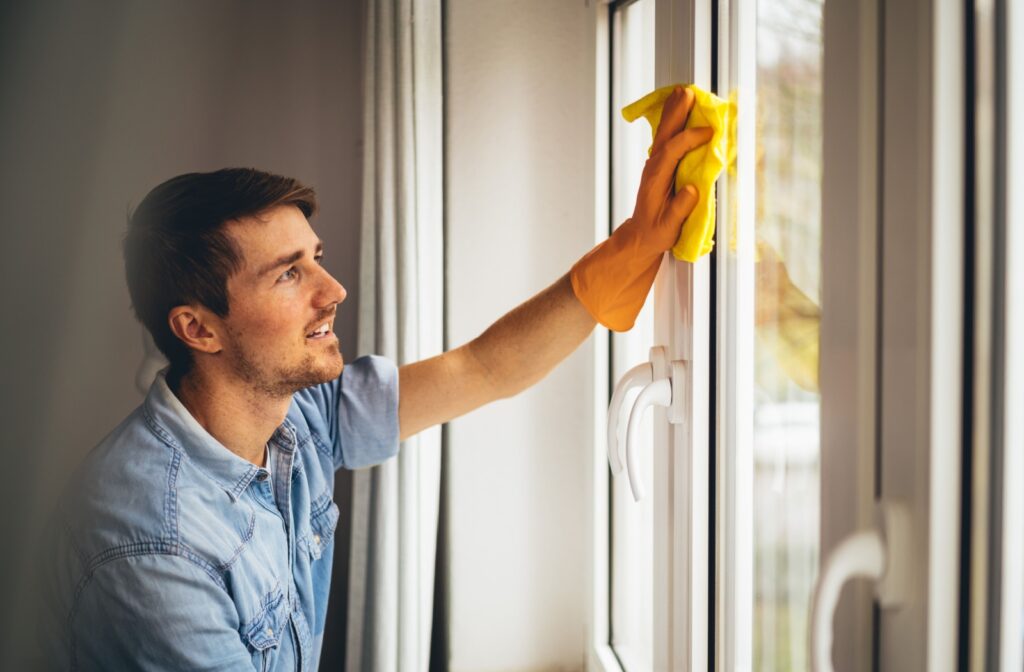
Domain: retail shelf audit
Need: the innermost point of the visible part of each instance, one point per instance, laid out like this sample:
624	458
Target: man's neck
240	419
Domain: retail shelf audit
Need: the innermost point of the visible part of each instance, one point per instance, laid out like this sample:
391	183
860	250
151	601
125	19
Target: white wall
520	192
99	102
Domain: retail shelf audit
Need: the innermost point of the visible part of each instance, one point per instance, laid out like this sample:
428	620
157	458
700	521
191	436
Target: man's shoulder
116	495
111	506
135	493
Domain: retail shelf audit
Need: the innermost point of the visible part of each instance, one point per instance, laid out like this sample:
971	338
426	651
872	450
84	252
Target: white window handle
881	554
670	391
639	376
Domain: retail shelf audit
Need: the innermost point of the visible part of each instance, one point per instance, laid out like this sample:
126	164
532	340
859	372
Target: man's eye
288	275
319	260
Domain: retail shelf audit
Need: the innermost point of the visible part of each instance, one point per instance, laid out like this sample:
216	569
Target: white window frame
923	274
599	655
997	503
913	139
1011	653
734	539
947	214
682	299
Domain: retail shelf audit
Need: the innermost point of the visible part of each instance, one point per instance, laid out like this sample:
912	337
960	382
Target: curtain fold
395	505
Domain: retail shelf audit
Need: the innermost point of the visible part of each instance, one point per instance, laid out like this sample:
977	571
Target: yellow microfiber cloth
700	167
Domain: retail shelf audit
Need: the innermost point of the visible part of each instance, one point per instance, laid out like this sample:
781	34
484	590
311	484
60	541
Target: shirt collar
172	421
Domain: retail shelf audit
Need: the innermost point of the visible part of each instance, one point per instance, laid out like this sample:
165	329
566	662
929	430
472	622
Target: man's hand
612	281
658	212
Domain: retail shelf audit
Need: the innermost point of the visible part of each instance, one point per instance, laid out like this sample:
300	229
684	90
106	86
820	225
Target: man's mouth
321	332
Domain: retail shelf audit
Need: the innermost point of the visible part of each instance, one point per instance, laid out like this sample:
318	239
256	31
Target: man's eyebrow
288	259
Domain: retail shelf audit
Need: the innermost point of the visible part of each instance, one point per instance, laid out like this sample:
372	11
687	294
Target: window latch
881	554
662	383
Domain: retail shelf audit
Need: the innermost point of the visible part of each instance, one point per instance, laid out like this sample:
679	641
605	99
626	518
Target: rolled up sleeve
359	412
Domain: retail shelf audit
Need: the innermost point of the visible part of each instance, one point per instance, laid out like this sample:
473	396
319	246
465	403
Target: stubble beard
277	382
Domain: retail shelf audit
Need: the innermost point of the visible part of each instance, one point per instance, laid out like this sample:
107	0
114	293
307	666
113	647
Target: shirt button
262	476
270	632
316	539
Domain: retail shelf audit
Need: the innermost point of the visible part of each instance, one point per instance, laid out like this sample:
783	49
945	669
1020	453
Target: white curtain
395	505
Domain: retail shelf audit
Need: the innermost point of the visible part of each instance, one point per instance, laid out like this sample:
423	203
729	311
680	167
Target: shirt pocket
323	521
263	633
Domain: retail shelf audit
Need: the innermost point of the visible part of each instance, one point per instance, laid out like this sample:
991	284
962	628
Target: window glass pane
632	523
787	217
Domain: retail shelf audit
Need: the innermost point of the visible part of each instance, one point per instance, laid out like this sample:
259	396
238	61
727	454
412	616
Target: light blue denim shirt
173	553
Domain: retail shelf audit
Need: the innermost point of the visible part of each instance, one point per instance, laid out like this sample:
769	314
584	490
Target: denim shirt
170	552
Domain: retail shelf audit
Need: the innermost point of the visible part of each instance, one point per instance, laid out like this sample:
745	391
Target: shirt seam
171	496
321	446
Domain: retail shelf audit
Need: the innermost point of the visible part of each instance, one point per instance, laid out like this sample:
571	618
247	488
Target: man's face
279	302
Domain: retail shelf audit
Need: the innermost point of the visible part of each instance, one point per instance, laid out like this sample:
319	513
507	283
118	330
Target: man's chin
335	370
328	371
313	374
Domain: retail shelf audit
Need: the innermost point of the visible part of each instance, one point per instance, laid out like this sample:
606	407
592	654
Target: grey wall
99	102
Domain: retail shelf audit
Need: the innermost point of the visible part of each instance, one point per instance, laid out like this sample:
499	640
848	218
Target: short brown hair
177	253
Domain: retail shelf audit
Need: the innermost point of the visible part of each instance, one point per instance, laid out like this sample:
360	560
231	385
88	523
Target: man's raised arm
608	285
514	353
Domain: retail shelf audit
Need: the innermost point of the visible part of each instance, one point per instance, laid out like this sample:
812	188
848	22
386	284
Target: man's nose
332	292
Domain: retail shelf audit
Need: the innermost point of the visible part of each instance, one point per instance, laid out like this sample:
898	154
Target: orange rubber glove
613	279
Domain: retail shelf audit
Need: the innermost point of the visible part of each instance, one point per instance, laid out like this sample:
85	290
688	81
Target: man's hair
177	252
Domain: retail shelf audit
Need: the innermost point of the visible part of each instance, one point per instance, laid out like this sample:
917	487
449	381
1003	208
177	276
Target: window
783	403
658	593
822	344
658	570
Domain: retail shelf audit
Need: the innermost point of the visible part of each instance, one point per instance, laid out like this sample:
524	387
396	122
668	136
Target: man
199	533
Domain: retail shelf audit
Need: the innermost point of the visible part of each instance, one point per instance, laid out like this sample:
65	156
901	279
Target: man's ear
197	328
